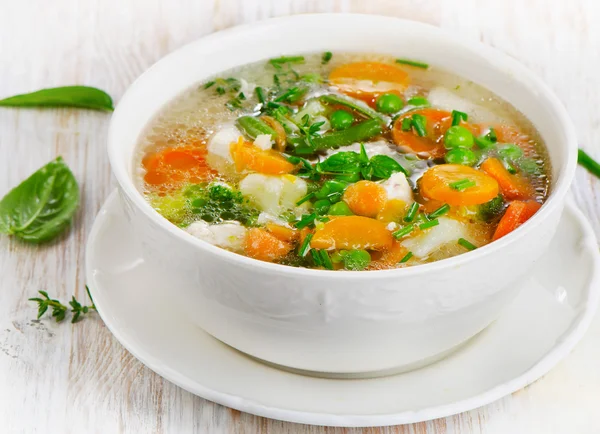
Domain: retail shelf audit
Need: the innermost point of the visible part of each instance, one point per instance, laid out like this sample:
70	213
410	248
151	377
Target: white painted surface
63	378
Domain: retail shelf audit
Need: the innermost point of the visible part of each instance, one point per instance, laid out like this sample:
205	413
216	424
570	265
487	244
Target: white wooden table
63	378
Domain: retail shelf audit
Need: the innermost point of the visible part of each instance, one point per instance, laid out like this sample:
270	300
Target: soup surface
343	162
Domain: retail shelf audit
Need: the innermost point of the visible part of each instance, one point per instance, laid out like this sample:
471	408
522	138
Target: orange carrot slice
172	167
352	232
365	198
512	186
437	122
392	211
439	181
248	157
262	245
282	233
369	78
517	213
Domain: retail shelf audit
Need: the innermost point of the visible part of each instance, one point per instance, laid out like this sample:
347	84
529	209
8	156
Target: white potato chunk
263	141
220	142
442	98
274	194
397	187
229	235
449	230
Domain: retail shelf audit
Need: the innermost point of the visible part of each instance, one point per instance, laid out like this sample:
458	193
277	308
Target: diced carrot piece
172	167
282	233
437	122
352	232
511	186
390	257
392	211
368	77
254	159
437	183
517	213
262	245
365	198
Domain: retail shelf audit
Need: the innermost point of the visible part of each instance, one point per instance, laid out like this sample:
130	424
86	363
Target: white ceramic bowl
327	321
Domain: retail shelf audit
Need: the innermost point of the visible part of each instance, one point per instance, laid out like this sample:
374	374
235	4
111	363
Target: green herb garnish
429	224
68	96
406	258
260	94
439	212
463	184
588	162
41	207
59	310
305	246
419	122
466	244
418	101
402	232
278	61
412	63
412	212
326	57
306	220
458	116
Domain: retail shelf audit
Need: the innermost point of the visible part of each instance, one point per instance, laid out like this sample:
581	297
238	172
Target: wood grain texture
78	379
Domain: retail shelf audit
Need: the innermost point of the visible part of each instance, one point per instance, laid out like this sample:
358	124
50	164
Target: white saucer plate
541	327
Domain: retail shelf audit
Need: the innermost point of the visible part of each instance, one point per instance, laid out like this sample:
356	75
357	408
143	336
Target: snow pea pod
356	105
357	133
254	127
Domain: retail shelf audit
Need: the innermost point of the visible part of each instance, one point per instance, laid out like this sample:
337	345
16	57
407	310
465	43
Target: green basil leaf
69	96
383	167
41	207
342	162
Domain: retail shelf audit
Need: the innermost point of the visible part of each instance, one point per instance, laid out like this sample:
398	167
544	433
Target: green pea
388	103
341	120
458	137
322	206
356	260
510	151
463	156
340	208
330	187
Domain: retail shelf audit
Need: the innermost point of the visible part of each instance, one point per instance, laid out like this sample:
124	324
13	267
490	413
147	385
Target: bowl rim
554	200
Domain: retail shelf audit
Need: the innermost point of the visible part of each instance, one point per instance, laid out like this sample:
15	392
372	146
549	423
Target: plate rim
570	338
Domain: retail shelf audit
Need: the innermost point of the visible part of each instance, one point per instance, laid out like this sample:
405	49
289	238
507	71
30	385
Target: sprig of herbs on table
59	311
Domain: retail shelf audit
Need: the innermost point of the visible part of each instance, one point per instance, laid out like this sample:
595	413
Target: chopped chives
326	57
483	142
439	212
403	231
303	250
325	260
209	84
306	220
305	198
316	257
466	244
588	162
418	101
287	94
463	184
429	224
419	122
412	63
412	212
260	94
406	124
278	61
458	116
406	258
491	135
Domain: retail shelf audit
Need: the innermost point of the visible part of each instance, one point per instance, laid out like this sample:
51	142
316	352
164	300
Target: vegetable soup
343	162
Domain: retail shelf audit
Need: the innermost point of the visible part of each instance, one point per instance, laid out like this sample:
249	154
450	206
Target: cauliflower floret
229	235
220	142
263	141
397	187
274	194
446	231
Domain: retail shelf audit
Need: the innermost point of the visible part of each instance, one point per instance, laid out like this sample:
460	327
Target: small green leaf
68	96
342	162
41	207
383	166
